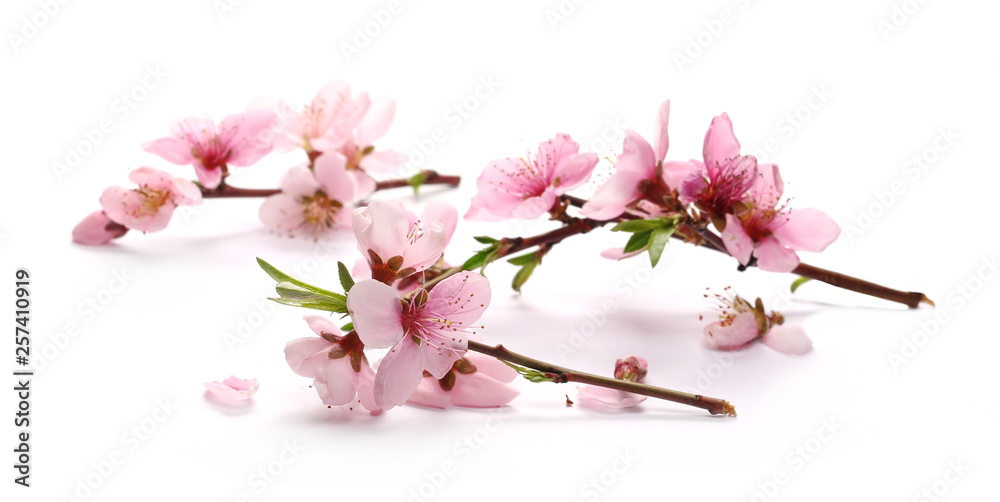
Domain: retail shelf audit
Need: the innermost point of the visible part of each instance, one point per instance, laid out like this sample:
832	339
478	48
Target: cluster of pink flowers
426	331
336	131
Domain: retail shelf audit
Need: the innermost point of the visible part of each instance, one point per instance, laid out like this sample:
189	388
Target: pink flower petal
233	388
460	299
533	207
97	230
767	188
620	254
661	141
611	198
573	172
807	229
738	242
377	313
427	249
637	156
788	339
399	374
435	361
281	213
501	189
250	136
305	355
552	153
381	227
209	178
479	390
720	143
773	256
598	397
430	394
376	122
443	213
492	367
742	330
383	161
335	381
332	176
675	172
171	149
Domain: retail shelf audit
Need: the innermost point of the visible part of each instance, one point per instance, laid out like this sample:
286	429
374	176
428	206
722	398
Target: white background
840	423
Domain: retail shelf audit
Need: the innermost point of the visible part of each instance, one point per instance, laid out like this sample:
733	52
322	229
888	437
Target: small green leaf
657	241
477	260
345	277
530	374
347	327
482	239
416	181
280	276
523	259
293	294
634	226
798	282
482	258
638	241
522	275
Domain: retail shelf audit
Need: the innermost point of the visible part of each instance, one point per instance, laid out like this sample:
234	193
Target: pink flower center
425	321
319	212
212	154
526	180
152	200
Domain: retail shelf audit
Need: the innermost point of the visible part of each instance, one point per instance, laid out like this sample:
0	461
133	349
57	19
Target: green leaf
319	305
477	260
347	327
280	276
522	275
482	239
634	226
523	259
798	282
530	374
345	277
416	181
482	258
638	241
657	241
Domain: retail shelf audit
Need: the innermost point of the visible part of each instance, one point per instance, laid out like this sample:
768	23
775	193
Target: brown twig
558	374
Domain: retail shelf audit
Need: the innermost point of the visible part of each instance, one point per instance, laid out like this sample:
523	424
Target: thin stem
225	191
712	241
430	178
909	298
558	374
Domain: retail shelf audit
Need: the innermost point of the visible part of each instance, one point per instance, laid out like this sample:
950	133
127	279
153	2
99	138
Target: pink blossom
774	234
526	189
740	323
474	381
639	169
97	230
318	201
359	149
338	121
437	211
394	246
337	363
324	124
239	140
721	186
149	207
233	388
631	369
428	333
